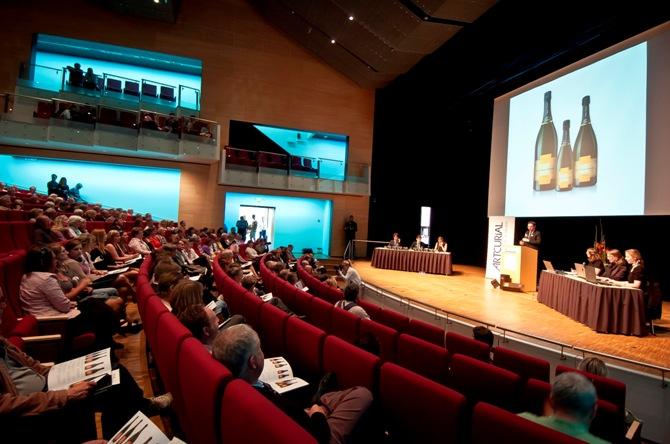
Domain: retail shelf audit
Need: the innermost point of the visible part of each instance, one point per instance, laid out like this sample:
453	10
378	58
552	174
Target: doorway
264	216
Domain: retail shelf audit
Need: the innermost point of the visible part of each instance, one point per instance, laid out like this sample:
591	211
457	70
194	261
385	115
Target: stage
468	293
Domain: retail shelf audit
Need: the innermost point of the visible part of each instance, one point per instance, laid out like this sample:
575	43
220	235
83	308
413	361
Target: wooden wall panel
251	72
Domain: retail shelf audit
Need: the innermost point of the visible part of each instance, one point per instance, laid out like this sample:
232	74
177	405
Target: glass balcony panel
40	77
331	169
189	98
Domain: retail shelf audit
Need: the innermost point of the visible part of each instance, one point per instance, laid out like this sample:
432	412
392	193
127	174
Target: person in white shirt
349	302
136	244
349	273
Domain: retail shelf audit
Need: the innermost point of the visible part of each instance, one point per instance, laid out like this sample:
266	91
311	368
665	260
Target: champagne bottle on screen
564	176
586	150
545	151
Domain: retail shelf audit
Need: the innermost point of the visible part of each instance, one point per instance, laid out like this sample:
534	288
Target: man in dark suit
417	244
532	237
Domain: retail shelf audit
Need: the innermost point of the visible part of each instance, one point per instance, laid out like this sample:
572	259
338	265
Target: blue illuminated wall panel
303	222
144	189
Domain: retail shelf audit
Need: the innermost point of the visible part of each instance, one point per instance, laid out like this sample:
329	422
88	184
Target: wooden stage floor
468	293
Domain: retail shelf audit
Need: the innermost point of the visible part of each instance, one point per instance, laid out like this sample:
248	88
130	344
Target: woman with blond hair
636	275
112	247
184	294
60	227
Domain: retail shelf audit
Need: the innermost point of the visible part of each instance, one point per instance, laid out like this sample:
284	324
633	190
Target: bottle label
585	169
565	177
545	167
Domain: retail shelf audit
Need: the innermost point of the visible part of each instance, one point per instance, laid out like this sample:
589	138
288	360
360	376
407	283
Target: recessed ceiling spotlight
332	41
351	18
157	1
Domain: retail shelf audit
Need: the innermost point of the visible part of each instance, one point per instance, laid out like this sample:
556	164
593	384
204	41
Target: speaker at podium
519	262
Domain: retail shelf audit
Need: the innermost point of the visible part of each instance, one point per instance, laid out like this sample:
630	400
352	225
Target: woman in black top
595	261
63	188
617	269
636	275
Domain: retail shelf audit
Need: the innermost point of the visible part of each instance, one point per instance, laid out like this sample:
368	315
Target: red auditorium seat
304	348
422	357
241	408
427	332
608	389
523	365
248	305
14	265
153	310
373	310
202	380
344	324
480	381
327	292
301	301
467	346
534	396
493	424
416	409
23	234
6	239
272	330
352	365
166	348
392	319
319	313
387	337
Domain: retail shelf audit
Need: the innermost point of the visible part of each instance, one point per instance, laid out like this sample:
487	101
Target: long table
605	309
411	260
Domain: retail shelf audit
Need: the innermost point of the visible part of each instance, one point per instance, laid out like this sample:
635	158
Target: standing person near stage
242	226
253	226
532	236
52	185
350	228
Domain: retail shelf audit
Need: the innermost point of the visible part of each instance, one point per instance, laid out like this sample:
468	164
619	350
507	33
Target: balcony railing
145	92
280	171
66	124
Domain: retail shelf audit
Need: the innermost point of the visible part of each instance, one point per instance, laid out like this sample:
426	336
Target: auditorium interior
185	174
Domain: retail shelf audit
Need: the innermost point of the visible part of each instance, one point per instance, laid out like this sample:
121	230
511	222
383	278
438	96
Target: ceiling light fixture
351	18
332	41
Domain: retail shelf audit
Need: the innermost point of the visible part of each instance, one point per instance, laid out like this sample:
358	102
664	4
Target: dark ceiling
161	10
371	41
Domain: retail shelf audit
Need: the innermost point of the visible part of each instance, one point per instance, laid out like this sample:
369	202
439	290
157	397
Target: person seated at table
395	241
595	261
440	245
417	244
617	269
635	278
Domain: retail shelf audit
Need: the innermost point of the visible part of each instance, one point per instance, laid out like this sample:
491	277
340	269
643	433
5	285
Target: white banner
501	233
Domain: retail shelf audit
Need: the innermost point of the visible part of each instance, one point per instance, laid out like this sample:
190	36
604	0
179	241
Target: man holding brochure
330	420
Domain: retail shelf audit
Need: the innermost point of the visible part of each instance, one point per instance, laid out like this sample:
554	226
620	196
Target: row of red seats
210	404
434	361
414	408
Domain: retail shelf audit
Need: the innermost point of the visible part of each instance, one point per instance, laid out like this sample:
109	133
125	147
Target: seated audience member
42	295
203	323
137	244
76	226
417	244
483	334
617	269
113	247
187	292
332	282
290	258
594	366
349	302
43	234
440	245
122	282
6	202
595	261
60	226
69	265
573	402
331	420
249	283
395	241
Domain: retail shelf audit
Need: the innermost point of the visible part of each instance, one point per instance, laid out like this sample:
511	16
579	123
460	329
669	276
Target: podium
520	263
